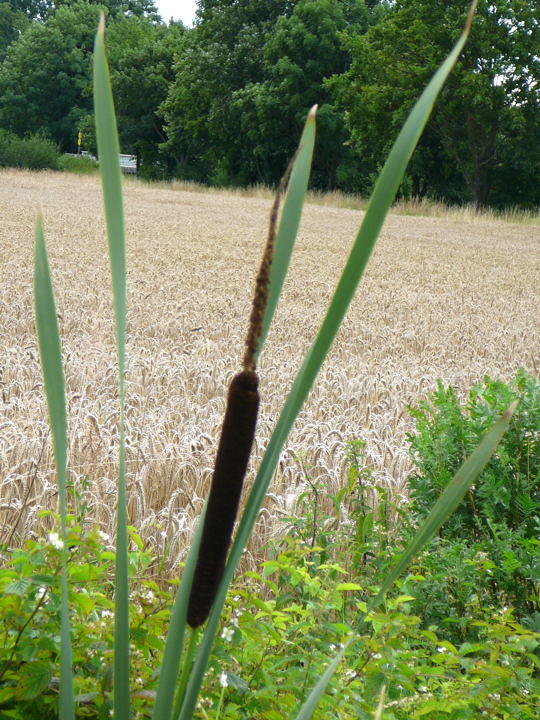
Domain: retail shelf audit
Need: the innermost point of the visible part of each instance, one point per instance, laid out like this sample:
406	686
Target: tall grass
178	692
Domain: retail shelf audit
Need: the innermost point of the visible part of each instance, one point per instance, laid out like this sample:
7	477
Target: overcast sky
178	9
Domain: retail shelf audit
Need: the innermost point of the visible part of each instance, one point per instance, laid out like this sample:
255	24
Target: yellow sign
79	139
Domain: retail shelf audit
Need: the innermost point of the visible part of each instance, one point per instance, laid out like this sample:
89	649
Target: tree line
224	102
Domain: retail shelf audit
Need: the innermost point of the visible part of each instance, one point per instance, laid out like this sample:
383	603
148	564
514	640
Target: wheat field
442	298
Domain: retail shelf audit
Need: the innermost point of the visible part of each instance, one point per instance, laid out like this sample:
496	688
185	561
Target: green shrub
488	550
34	152
30	600
80	164
276	633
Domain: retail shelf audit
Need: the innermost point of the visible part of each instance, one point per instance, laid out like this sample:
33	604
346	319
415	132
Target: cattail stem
262	282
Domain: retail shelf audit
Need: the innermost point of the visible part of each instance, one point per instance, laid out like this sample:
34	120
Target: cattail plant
208	572
234	447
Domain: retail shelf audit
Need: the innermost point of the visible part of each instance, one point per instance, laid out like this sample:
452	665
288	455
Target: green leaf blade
313	699
108	150
168	675
111	179
53	376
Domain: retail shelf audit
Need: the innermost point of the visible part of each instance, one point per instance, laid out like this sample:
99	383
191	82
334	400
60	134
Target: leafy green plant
489	548
178	694
31	598
507	491
275	634
277	629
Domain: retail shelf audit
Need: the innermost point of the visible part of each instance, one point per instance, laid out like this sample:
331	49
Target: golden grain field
447	298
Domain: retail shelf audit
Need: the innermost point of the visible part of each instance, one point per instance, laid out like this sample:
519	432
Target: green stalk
188	662
109	150
308	708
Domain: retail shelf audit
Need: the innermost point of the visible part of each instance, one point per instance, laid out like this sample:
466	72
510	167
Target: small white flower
55	541
163	534
423	689
41	592
223	680
148	595
104	536
106	613
227	634
139	681
377	656
441	649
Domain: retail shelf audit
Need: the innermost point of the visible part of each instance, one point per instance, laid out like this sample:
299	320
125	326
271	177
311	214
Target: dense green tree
32	8
223	53
246	77
45	79
479	138
299	53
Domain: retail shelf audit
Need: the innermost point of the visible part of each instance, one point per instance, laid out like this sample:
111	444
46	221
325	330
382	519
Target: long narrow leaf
289	222
53	376
109	163
381	200
448	501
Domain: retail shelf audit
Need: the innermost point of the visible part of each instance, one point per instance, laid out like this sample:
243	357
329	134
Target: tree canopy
487	114
246	77
224	102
